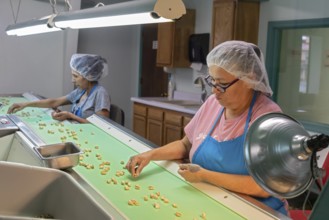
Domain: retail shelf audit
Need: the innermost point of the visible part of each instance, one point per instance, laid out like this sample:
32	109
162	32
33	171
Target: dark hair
257	50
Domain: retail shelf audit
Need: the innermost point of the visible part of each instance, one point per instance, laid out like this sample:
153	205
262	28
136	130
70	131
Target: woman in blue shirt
88	98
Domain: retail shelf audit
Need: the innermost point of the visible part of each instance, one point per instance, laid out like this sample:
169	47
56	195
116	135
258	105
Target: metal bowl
59	156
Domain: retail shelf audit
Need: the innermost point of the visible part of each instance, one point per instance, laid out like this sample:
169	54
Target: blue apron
76	109
228	157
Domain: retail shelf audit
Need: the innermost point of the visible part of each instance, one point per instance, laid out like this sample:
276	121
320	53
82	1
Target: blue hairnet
89	66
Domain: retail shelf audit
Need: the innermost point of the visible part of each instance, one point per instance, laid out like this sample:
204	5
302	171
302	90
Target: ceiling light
126	13
35	26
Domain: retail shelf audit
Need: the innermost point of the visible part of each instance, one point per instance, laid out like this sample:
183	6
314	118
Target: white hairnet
89	66
244	61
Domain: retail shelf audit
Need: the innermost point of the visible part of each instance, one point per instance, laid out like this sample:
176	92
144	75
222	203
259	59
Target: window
298	63
304	61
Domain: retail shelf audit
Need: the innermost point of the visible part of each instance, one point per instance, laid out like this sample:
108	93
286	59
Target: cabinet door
172	127
165	44
160	126
154	131
187	120
235	20
223	21
155	125
173	40
140	125
140	109
171	133
184	27
247	24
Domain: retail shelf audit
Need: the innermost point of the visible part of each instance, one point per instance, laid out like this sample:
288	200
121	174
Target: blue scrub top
97	100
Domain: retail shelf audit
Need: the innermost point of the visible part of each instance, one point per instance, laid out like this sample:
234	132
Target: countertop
185	106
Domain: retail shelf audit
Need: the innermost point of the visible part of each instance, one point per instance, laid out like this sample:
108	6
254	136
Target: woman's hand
61	115
16	107
190	172
136	163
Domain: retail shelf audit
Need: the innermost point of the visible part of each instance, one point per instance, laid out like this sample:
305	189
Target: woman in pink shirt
215	136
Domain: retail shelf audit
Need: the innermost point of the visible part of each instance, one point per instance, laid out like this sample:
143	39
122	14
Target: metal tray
6	126
59	156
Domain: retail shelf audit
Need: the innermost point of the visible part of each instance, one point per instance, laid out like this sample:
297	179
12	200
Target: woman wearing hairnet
88	98
214	137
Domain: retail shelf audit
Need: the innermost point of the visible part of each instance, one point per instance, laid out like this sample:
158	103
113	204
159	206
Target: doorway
153	80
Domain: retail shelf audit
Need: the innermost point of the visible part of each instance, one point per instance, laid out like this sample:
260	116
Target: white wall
120	46
36	63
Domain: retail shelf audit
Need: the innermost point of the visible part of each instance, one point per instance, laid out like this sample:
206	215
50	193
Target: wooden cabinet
173	40
235	20
154	125
160	126
172	127
139	117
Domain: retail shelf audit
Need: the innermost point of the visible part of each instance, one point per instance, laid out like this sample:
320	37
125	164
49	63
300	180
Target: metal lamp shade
275	155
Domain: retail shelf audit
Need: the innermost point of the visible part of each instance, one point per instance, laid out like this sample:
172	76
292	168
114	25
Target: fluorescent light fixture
35	26
126	13
118	20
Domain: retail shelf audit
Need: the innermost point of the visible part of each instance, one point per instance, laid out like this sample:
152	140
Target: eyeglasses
219	86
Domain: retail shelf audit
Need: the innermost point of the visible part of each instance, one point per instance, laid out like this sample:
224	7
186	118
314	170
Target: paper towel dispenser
198	47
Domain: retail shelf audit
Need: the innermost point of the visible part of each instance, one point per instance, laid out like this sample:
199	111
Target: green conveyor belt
6	102
155	183
31	114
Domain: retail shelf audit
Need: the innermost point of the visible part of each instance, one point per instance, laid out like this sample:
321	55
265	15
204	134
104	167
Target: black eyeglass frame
217	86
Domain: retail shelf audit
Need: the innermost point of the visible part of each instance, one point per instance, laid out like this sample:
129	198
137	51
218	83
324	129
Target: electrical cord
317	173
68	4
17	12
53	6
304	203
